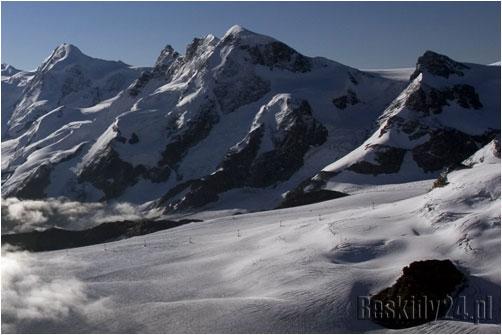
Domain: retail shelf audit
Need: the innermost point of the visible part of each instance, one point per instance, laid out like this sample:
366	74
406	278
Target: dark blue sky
360	34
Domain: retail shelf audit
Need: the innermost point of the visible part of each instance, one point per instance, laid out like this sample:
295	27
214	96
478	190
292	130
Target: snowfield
293	270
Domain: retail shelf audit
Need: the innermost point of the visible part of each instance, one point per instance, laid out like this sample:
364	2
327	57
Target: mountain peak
199	44
236	29
67	49
438	65
245	36
166	57
9	70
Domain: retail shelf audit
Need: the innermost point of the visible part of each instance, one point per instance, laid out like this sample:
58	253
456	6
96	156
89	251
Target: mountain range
243	122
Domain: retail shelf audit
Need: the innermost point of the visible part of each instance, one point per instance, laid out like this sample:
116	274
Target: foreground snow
292	270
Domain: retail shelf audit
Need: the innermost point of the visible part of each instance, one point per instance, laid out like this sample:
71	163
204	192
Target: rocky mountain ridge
235	122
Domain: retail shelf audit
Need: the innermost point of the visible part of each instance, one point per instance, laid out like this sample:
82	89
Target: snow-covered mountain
448	111
236	122
71	79
232	117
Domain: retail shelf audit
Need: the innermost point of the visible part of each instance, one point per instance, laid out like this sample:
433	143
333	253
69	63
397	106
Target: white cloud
29	295
27	215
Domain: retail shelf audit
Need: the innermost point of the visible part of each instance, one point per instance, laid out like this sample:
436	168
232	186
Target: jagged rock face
140	83
35	185
281	134
298	131
431	101
238	90
166	58
110	174
438	65
75	82
451	145
164	62
193	132
278	55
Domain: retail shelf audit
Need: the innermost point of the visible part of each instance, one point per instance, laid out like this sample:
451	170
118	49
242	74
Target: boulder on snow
423	293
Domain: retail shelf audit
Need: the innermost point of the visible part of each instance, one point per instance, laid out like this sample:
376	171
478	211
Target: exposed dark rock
306	198
233	172
427	287
193	132
389	160
175	191
431	103
313	185
278	55
429	100
113	176
75	81
34	187
343	101
466	96
438	65
192	48
110	174
441	181
166	58
287	157
55	238
447	147
140	83
243	90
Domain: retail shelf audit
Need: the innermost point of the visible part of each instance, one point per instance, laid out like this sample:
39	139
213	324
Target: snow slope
294	270
13	83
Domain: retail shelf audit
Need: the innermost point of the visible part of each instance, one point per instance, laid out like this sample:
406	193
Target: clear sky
359	34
